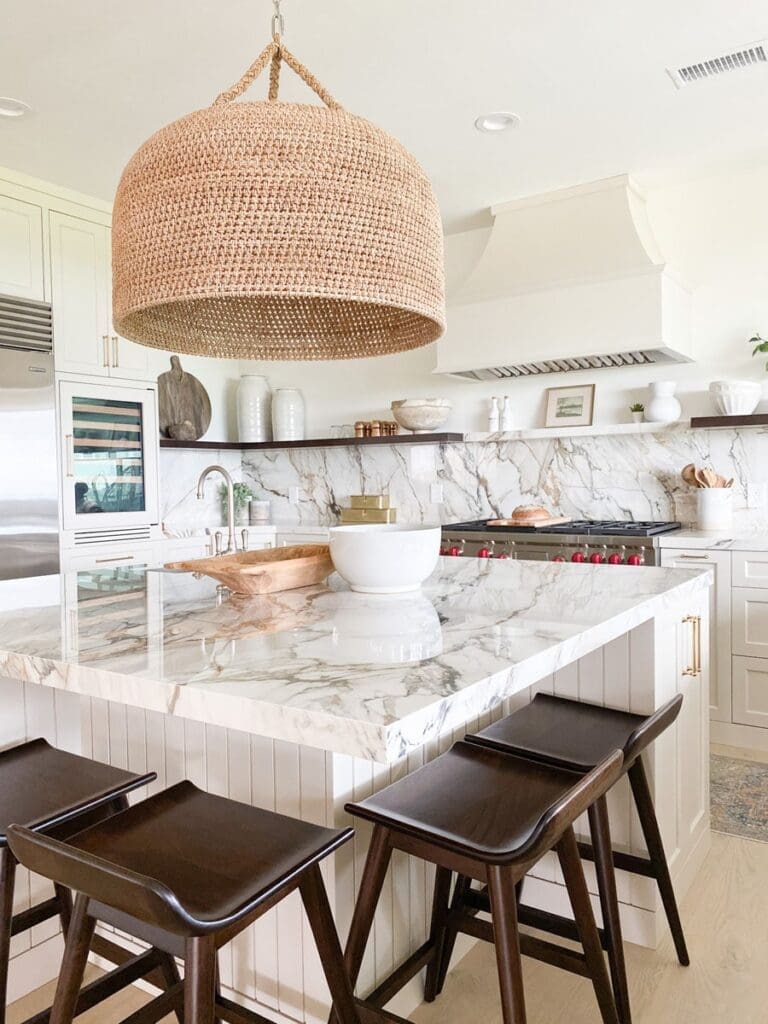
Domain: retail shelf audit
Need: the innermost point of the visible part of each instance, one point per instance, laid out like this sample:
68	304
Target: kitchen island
303	700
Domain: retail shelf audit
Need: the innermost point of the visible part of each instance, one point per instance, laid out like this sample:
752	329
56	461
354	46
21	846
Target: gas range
590	541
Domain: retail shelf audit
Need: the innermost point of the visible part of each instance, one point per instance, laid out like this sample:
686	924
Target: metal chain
278	22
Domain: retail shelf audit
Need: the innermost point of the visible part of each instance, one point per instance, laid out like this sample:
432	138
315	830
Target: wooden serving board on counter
267	571
517	523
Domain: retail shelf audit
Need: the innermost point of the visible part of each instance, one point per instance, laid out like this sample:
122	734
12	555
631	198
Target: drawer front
750	691
74	561
750	569
750	622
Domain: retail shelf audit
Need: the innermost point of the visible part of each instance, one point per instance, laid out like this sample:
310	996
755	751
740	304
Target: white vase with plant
637	409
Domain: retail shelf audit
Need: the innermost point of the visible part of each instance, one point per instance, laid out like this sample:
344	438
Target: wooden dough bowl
267	571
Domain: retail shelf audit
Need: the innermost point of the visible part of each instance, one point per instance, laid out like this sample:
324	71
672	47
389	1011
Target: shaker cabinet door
128	360
21	249
80	293
750	691
750	622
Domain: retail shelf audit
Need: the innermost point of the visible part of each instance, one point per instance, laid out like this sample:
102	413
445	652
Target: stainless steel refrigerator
29	522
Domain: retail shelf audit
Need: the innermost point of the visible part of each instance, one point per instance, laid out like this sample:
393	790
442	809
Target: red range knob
597	558
454	551
503	555
558	558
614	559
484	553
443	551
577	556
635	560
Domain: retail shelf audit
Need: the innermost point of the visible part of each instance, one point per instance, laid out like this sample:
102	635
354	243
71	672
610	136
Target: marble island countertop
370	676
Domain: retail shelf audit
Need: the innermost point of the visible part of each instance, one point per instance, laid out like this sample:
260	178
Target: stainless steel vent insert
85	537
750	56
25	324
600	362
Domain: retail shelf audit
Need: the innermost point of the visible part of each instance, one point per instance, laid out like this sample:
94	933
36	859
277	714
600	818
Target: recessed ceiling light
10	107
498	121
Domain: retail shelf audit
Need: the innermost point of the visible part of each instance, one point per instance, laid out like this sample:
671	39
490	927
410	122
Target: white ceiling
587	79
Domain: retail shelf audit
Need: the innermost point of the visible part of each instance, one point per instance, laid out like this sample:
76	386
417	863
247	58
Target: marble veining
634	476
370	676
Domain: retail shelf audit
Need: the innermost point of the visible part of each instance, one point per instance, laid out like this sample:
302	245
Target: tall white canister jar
288	415
715	508
254	408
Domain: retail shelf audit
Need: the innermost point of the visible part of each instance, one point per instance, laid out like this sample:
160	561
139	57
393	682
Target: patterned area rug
739	797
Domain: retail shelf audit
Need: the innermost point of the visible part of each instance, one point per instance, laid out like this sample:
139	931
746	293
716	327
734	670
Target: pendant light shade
272	230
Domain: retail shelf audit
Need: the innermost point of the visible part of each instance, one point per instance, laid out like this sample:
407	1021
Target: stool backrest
136	895
652	728
586	790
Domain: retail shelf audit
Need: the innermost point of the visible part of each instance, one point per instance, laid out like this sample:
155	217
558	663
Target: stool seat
573	734
209	860
44	788
476	801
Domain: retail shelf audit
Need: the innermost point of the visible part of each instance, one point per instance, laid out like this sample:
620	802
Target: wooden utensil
709	477
267	571
688	473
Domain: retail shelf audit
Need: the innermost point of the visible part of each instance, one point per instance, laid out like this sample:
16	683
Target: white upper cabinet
80	295
84	339
21	249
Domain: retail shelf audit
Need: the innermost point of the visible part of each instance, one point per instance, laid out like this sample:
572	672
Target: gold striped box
354	516
369	500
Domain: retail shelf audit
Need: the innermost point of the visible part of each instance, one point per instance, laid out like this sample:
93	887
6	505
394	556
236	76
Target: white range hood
569	280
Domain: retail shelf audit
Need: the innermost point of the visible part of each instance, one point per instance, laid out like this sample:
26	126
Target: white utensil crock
715	508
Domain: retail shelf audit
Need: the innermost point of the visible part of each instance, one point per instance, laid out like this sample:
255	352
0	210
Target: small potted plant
243	495
637	409
761	346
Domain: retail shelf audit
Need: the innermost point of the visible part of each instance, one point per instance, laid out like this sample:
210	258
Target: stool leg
573	872
321	922
437	932
171	977
7	879
376	865
64	896
451	932
609	903
506	938
73	965
199	980
650	826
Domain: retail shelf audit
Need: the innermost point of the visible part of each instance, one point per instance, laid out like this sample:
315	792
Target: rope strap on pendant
269	53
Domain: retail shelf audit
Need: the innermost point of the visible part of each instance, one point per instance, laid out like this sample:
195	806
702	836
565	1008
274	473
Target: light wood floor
726	920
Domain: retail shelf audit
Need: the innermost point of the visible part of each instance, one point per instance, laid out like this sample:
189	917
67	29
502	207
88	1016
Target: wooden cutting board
183	404
517	523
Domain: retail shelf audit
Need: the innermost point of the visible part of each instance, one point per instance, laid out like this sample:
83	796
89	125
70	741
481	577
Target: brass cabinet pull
115	351
117	558
105	350
694	669
694	558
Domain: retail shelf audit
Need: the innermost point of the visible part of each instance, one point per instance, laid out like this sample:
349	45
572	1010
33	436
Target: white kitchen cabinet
84	339
107	556
286	537
693	673
750	569
750	622
21	249
80	294
750	691
720	620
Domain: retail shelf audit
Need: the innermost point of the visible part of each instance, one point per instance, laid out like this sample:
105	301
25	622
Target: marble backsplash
635	476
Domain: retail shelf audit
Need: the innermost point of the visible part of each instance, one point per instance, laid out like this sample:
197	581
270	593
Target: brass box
354	516
369	500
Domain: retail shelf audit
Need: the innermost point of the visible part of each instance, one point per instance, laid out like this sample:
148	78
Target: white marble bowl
736	397
386	559
421	415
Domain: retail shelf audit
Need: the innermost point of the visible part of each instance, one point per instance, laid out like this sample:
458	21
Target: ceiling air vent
748	57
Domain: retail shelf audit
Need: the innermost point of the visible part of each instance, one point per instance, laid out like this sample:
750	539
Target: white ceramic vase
254	409
288	415
663	406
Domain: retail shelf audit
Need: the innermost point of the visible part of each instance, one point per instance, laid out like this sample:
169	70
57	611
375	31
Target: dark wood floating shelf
322	442
760	420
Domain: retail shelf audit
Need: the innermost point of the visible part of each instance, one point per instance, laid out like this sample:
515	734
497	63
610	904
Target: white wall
714	231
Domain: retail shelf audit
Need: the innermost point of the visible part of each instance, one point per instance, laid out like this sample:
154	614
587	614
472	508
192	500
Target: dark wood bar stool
187	871
577	736
490	817
57	794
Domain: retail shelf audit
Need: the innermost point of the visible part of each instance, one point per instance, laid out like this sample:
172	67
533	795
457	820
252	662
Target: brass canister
369	500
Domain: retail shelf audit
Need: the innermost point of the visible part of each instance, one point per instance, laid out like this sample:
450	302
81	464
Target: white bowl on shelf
736	397
385	559
421	415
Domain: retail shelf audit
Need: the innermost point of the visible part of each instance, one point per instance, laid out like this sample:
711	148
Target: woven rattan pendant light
274	230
